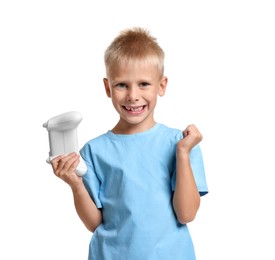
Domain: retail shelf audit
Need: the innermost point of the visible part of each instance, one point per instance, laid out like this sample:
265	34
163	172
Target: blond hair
133	44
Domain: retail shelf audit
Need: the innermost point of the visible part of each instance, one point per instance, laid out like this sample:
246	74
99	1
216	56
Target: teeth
134	108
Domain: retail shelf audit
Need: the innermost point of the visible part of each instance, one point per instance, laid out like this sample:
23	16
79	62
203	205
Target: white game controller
63	139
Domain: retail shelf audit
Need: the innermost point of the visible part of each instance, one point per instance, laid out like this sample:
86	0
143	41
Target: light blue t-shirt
132	178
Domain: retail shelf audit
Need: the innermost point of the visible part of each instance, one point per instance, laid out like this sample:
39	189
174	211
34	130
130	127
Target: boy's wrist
183	154
77	187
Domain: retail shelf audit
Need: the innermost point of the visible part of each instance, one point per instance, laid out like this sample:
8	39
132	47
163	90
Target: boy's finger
67	162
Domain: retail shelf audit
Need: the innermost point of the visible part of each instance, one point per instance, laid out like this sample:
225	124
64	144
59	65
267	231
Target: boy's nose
132	94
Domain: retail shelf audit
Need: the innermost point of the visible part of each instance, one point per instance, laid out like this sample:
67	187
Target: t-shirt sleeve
197	165
90	179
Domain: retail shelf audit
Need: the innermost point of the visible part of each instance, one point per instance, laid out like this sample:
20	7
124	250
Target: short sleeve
90	179
197	165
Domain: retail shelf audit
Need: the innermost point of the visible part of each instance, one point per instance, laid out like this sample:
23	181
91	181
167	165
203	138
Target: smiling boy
144	179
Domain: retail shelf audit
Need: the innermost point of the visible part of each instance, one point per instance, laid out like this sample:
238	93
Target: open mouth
134	109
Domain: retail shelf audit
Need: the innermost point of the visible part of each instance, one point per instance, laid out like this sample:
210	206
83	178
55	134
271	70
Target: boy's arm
64	168
86	209
186	199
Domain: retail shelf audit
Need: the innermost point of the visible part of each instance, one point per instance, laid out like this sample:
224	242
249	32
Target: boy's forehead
136	63
135	71
133	64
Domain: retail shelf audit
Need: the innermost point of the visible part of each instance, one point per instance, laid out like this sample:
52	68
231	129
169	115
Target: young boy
144	179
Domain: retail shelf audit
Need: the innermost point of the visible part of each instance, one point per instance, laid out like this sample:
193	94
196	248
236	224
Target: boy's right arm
64	168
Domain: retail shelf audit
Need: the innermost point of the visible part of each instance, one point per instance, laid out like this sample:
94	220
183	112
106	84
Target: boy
144	179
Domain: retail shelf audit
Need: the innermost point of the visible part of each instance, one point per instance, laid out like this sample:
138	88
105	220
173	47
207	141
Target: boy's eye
144	84
121	85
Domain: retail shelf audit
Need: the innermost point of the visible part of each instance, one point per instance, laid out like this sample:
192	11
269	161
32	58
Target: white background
220	62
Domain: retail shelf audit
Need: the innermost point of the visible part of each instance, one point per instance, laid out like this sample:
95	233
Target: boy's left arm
186	199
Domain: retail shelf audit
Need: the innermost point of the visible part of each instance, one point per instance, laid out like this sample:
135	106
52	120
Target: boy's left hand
191	137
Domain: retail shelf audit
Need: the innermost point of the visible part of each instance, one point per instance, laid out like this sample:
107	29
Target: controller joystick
62	131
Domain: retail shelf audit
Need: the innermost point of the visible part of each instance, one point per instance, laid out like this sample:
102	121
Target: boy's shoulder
172	131
96	139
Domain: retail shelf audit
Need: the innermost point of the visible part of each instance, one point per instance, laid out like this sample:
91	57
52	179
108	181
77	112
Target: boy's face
134	89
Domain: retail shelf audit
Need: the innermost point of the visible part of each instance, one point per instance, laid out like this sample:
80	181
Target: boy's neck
124	128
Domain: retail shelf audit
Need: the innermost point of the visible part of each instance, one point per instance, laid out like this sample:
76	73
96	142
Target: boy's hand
64	167
192	137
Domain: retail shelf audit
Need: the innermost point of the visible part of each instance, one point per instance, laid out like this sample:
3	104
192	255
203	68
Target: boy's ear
162	86
107	87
